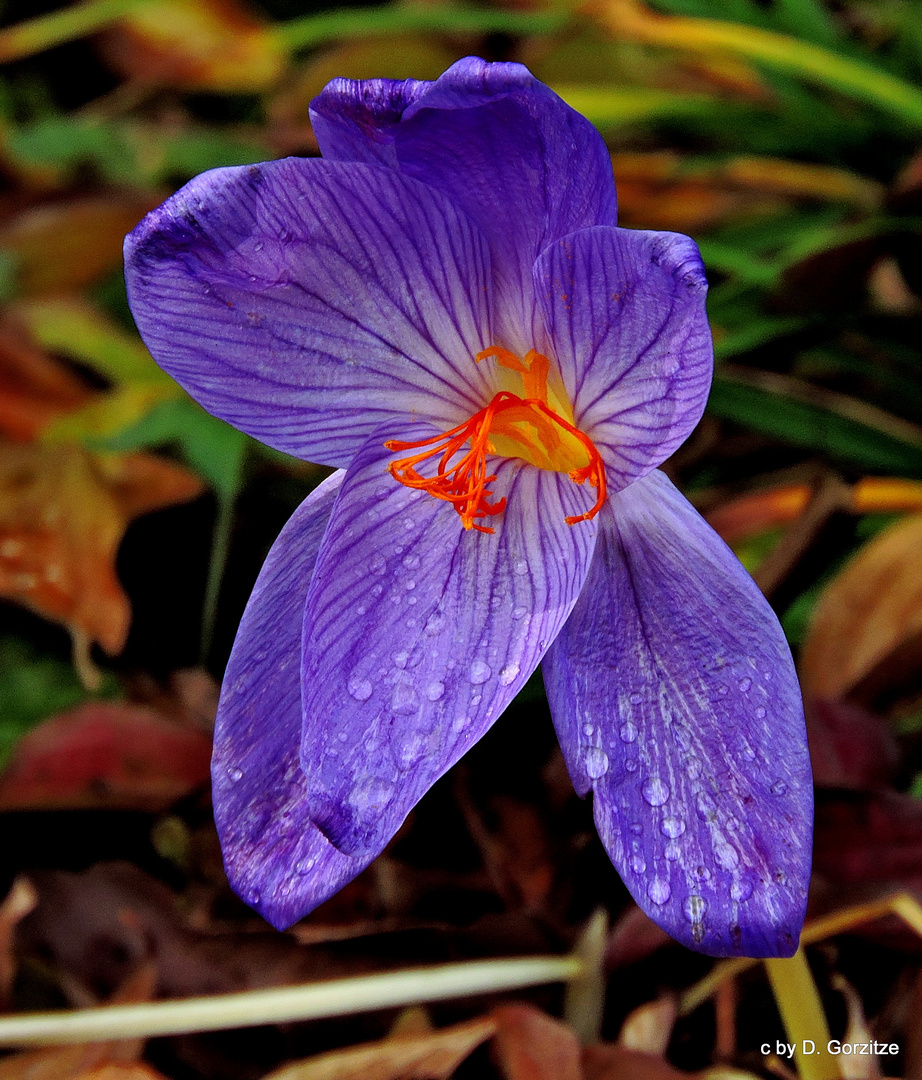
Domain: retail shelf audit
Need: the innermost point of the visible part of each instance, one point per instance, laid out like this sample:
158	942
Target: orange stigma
513	425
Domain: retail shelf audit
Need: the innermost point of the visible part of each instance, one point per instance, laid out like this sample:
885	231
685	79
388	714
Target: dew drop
304	866
778	788
638	864
723	690
654	791
628	732
435	690
460	724
659	890
400	659
508	674
519	613
672	851
258	246
726	855
360	689
235	773
596	762
672	827
760	712
404	700
701	872
377	564
361	609
480	672
637	828
740	890
693	769
409	584
636	699
706	807
631	765
520	567
694	908
373	794
745	684
434	623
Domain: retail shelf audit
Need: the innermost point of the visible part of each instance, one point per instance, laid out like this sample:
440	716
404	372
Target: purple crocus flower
443	309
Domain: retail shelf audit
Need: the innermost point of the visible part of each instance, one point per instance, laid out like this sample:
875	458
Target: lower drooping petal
276	858
625	313
417	633
307	302
675	700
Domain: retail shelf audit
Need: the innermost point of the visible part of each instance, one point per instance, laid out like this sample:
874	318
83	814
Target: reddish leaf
619	1063
633	937
849	746
532	1046
869	838
105	754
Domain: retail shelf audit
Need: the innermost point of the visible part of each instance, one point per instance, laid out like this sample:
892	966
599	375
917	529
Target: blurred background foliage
783	135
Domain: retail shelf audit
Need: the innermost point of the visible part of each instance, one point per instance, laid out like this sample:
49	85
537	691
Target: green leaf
33	687
845	429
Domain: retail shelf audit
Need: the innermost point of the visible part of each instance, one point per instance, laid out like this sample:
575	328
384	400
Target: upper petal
503	147
626	317
675	699
306	301
417	634
276	858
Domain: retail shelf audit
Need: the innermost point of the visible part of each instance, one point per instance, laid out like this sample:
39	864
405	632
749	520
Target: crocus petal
675	699
503	147
625	312
306	301
276	858
417	634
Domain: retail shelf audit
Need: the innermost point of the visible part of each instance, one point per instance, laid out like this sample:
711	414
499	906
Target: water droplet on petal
460	724
637	828
235	773
694	908
360	688
508	674
400	659
726	855
479	672
723	690
778	788
631	765
638	864
409	584
672	851
707	808
745	684
304	866
519	613
374	794
636	699
655	791
596	762
760	712
435	690
377	564
520	567
740	890
404	700
672	827
659	890
435	623
628	732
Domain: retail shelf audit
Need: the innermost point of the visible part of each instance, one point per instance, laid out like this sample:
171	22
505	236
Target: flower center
529	425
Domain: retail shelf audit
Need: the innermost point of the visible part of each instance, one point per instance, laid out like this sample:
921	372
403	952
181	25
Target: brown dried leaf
605	1062
85	234
216	45
433	1055
105	754
532	1046
866	612
63	512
